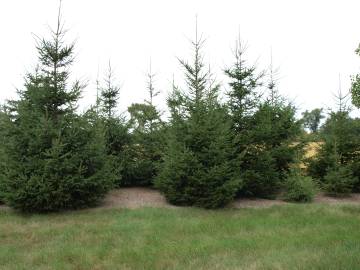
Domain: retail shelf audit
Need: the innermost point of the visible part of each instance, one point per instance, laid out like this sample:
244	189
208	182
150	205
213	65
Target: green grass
282	237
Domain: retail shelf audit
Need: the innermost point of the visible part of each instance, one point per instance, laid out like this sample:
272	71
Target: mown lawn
281	237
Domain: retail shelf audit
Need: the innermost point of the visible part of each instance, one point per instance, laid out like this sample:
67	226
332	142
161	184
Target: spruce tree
264	129
146	147
273	150
117	136
54	158
339	148
276	130
244	94
109	96
243	101
197	169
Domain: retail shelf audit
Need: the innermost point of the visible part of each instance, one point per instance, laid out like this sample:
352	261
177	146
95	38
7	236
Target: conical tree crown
53	158
196	168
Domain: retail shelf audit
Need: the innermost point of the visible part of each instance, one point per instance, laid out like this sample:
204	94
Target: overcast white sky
312	41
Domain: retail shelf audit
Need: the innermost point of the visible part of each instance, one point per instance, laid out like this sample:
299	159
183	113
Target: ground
137	197
145	197
136	229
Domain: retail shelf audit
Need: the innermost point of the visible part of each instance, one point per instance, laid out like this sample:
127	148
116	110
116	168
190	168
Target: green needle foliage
272	150
54	159
338	153
197	164
339	181
299	188
116	129
147	141
263	130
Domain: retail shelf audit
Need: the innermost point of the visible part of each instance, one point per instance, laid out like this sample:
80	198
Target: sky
312	42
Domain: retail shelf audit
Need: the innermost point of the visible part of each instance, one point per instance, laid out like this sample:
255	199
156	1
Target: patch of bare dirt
351	199
145	197
135	198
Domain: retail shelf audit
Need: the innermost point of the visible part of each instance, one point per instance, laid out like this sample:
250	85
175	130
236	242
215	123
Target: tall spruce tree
109	96
55	159
244	92
147	139
243	101
117	136
275	136
263	130
197	169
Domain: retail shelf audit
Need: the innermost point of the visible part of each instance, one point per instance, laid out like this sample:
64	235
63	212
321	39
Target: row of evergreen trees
210	150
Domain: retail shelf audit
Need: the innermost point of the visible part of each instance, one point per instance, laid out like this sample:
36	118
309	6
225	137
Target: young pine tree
54	158
197	169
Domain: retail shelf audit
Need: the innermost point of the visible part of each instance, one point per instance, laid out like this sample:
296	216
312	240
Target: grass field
280	237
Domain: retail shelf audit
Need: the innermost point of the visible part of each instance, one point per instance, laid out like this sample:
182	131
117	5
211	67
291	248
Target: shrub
299	188
138	167
260	178
339	181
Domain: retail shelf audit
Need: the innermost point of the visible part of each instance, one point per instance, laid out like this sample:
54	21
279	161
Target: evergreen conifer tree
339	149
54	158
243	101
338	154
197	169
276	131
117	136
263	130
147	139
244	95
109	95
